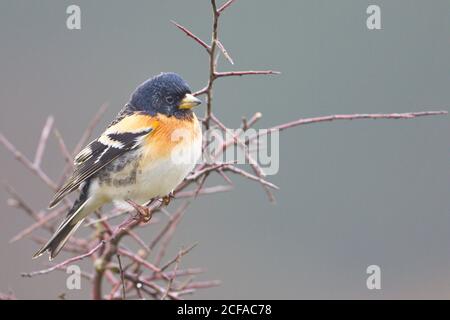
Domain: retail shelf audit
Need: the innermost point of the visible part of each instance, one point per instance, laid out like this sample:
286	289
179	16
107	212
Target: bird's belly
160	179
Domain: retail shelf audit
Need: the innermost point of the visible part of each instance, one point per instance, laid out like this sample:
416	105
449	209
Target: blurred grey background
352	193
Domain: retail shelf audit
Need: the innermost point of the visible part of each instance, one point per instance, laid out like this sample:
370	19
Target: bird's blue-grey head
167	94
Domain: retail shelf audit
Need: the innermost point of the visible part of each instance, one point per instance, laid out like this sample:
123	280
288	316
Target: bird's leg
144	212
166	199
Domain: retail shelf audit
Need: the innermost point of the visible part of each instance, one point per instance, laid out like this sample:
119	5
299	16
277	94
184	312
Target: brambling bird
151	146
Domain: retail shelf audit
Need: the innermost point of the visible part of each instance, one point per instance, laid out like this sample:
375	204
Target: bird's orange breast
169	133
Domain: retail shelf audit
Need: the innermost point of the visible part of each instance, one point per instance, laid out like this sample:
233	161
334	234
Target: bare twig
41	223
18	202
180	254
62	146
27	163
43	141
225	52
66	262
90	128
245	73
203	191
121	277
191	35
250	176
373	116
173	220
175	269
225	6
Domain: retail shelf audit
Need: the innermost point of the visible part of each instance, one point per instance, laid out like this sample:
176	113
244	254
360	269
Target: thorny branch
139	276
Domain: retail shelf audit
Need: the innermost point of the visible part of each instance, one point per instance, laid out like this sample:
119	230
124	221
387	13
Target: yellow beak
189	101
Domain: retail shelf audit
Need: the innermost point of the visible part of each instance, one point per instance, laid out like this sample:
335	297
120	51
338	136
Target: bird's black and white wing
121	137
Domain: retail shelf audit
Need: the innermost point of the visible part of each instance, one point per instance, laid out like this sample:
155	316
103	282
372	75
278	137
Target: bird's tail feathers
74	219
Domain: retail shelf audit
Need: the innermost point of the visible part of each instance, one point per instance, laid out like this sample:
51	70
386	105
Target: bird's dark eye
169	99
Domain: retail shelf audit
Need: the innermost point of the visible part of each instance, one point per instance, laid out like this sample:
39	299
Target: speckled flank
121	172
